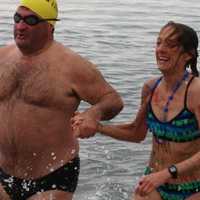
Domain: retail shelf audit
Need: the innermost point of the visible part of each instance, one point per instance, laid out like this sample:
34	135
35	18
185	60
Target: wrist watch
173	171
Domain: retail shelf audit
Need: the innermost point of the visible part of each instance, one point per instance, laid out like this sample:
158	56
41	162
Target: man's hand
83	125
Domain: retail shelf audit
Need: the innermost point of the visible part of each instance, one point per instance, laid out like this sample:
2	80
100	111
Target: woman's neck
170	80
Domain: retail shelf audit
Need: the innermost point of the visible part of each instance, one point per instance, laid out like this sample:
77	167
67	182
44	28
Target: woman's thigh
152	196
52	195
194	196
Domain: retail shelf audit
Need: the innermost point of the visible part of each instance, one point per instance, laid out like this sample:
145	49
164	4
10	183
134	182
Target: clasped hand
83	125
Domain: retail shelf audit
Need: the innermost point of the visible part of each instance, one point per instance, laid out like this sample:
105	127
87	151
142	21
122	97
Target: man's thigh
52	195
3	194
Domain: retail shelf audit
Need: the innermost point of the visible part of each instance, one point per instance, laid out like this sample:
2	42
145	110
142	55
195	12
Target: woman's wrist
166	174
173	171
99	127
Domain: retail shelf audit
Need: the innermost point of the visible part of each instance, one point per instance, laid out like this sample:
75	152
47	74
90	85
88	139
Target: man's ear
52	30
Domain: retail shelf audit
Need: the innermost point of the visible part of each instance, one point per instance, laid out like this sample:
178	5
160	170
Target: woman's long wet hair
188	39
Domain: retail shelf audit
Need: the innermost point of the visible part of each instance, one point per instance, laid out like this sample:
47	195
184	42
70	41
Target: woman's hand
152	181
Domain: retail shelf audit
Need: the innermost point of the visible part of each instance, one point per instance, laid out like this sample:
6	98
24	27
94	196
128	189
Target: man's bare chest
35	84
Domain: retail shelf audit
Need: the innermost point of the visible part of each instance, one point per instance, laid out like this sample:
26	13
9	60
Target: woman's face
169	53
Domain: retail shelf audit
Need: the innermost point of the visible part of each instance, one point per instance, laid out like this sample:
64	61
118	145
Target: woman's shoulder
149	86
194	91
195	86
150	83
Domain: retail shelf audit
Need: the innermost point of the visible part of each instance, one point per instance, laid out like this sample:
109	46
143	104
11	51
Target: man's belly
34	141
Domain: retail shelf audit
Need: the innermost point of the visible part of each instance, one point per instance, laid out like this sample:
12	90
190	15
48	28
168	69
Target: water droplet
106	151
73	151
9	180
25	185
179	188
25	174
54	158
51	169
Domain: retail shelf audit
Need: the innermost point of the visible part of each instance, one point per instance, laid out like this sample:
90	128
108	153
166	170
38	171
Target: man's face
29	37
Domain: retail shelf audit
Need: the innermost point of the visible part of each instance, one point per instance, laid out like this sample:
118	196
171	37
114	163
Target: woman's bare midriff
167	153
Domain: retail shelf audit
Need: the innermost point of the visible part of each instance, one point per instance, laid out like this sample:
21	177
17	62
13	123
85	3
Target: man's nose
21	25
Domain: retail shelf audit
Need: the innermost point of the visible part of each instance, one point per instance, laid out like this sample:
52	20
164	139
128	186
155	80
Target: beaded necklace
170	97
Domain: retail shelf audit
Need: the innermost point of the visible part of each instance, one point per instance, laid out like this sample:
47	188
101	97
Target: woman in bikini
170	110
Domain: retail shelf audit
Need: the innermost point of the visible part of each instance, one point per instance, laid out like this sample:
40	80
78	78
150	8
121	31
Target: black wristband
173	171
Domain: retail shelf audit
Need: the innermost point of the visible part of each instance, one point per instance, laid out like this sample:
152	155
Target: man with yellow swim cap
41	85
46	9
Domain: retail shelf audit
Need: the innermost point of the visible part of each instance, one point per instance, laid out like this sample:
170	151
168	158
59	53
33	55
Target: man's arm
90	86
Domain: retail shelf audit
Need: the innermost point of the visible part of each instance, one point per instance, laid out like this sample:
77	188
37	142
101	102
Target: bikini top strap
186	91
154	86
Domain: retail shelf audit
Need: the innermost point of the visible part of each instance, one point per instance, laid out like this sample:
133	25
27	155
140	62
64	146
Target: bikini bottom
177	191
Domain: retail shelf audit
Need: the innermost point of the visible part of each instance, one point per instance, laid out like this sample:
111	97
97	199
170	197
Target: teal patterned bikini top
182	128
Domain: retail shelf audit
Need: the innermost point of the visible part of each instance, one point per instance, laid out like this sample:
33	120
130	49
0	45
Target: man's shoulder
61	49
6	50
63	53
71	57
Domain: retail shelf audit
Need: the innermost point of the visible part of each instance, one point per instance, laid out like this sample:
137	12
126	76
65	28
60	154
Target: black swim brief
64	178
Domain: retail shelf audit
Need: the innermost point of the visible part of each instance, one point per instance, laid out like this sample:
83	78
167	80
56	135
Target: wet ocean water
118	36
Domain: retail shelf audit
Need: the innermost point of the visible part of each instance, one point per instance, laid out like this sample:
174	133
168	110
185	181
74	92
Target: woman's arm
134	131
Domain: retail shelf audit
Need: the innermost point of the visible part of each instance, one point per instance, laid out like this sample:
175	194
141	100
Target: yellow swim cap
46	9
